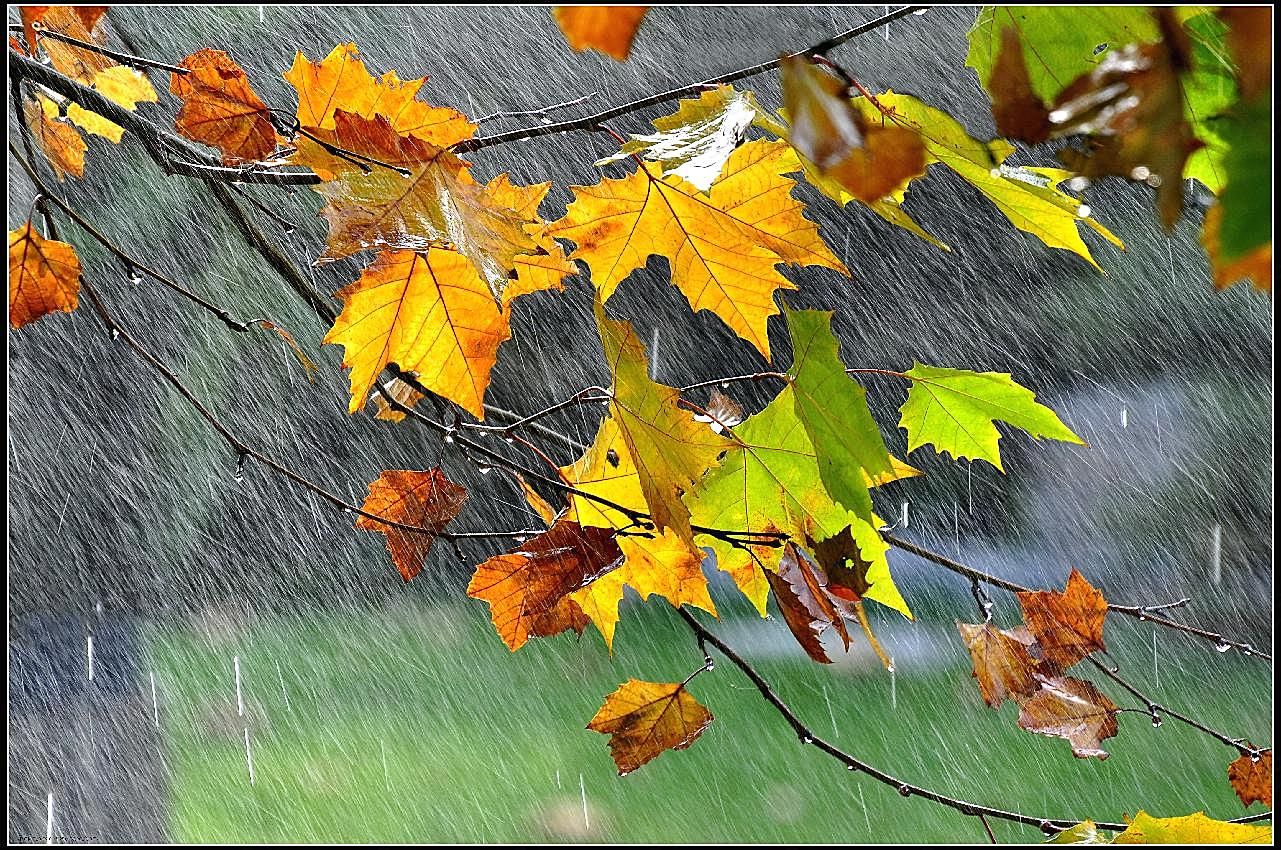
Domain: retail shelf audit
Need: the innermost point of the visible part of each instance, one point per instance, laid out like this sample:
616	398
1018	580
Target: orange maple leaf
424	499
644	719
1067	624
525	583
44	276
221	109
341	82
78	22
429	313
723	246
1251	778
60	142
609	29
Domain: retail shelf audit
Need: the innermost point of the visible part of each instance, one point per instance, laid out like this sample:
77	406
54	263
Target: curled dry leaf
1252	778
44	276
425	499
1072	709
609	29
644	719
429	313
1068	625
868	158
527	582
221	109
60	142
1191	829
807	609
1003	663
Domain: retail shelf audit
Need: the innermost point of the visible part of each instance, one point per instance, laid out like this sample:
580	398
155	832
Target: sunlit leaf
44	276
1192	829
645	719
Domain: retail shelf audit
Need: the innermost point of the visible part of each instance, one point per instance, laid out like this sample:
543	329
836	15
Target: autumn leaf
60	142
609	29
429	313
122	85
766	483
341	81
423	499
670	449
1250	38
723	246
721	412
221	109
1251	778
1003	664
654	563
694	142
308	366
833	408
804	603
44	276
528	581
1028	197
1130	105
1255	265
78	22
562	617
436	203
1237	233
547	266
869	159
402	392
956	410
644	719
1072	709
1067	625
1191	829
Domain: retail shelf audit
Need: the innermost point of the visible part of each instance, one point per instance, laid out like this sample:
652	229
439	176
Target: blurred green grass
415	724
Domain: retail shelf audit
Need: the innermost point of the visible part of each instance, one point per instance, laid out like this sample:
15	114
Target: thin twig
122	58
532	112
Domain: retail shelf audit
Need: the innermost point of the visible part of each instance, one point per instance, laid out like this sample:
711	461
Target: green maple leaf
833	408
769	481
956	410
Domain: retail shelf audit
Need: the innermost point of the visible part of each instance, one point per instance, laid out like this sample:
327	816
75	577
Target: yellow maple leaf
429	313
44	276
644	719
1192	829
545	268
120	84
671	449
723	246
341	81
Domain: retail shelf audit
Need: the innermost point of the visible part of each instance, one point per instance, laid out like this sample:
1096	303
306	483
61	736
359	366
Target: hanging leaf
609	29
44	276
645	719
1251	778
723	246
60	142
956	410
429	313
869	159
1067	625
1072	709
78	22
423	499
804	603
1003	664
221	109
1191	829
530	580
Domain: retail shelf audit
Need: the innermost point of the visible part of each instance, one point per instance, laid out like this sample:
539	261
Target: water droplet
135	276
484	468
449	436
519	539
240	469
1083	211
545	120
920	11
1156	721
1153	180
1140	172
995	173
508	439
724	385
1255	757
1222	646
806	739
850	767
115	334
1078	184
289	228
1048	828
905	790
1058	116
711	665
623	772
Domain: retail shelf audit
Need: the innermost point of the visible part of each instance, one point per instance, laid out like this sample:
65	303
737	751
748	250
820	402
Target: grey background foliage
122	503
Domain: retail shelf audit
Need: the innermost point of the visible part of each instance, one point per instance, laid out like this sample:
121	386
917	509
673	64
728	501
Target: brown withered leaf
806	607
221	109
562	617
1131	106
1003	664
44	276
644	719
60	142
528	581
424	499
722	412
1072	709
1252	780
1067	624
609	29
78	22
1250	38
843	562
869	158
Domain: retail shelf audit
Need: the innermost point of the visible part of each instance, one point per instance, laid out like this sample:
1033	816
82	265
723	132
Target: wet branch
123	58
1050	826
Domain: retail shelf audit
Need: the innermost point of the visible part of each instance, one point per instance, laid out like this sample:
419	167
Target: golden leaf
57	139
609	29
44	276
221	109
644	719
